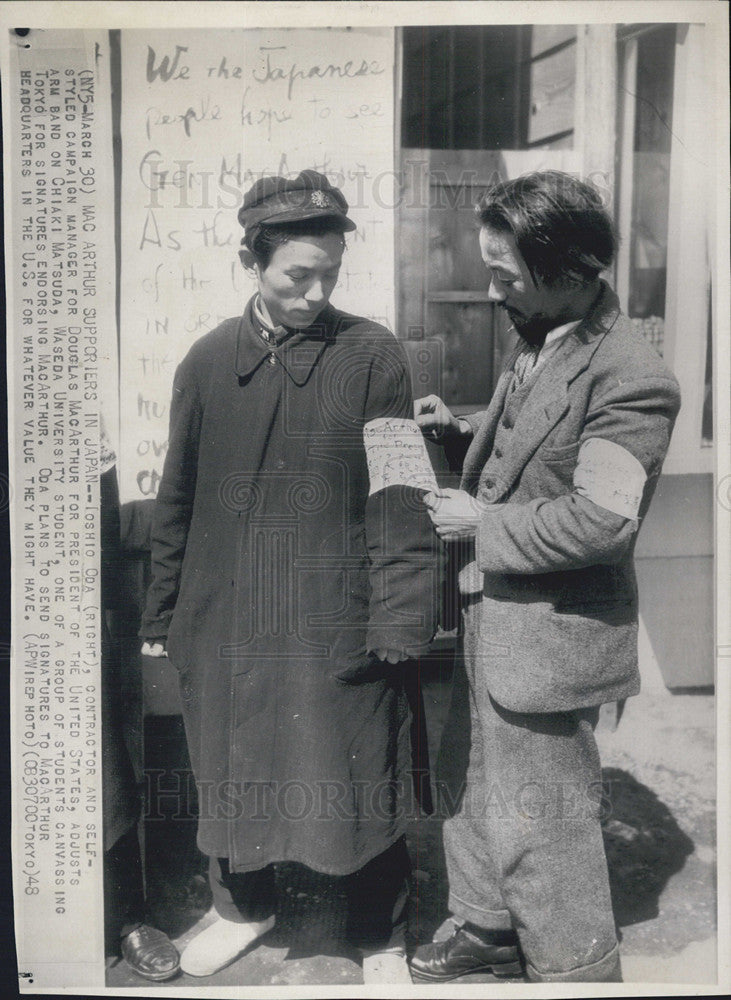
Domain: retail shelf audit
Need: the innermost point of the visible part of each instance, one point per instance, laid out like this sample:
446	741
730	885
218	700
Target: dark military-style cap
275	201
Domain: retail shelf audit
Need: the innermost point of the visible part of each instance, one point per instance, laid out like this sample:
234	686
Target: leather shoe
463	954
150	953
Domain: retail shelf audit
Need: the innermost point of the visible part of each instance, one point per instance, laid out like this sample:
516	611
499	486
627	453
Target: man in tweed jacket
557	478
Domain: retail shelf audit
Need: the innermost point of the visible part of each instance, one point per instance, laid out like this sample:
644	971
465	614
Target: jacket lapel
546	403
548	399
250	348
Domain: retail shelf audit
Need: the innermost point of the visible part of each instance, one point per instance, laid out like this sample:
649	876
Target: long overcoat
275	575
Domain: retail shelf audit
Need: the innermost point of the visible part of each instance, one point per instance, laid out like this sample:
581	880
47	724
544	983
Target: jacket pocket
563	455
611	612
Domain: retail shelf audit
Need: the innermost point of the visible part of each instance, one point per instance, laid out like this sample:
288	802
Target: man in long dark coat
287	597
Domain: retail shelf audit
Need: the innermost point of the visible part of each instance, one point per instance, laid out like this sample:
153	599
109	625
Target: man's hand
390	655
153	649
455	514
434	417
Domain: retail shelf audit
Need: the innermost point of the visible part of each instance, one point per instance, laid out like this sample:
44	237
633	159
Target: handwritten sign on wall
204	114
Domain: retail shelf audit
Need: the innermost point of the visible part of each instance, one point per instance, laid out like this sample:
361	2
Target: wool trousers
524	849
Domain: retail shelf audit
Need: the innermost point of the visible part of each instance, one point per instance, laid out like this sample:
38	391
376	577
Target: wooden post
692	164
595	136
625	170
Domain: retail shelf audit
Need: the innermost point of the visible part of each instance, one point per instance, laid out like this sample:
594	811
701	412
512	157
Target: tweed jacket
552	571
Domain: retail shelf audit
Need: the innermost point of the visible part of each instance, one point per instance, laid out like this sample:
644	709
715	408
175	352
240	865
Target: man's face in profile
533	307
299	279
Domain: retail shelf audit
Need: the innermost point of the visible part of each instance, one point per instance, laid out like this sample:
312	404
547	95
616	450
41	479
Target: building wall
675	569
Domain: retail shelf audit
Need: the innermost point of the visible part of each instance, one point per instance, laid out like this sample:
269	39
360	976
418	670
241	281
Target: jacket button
498	452
507	422
272	359
489	484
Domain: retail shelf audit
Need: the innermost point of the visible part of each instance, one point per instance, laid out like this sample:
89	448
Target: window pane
488	87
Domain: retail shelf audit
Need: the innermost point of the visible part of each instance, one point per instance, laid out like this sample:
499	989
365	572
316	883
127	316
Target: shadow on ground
644	846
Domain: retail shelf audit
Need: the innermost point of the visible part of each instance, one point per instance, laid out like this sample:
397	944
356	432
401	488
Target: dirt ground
659	837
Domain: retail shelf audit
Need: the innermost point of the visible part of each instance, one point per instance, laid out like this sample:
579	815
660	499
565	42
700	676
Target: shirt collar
270	334
528	360
297	353
554	338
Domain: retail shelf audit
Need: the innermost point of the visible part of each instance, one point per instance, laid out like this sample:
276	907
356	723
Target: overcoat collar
548	399
298	354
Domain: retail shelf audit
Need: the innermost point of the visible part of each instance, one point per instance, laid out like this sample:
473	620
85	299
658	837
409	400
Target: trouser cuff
488	920
129	926
607	970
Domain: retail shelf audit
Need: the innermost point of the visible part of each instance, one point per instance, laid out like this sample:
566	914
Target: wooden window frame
688	264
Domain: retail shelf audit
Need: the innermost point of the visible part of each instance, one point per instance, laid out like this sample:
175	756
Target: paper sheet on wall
397	455
204	114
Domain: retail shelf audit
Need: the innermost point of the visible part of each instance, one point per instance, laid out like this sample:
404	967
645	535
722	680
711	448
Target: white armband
610	476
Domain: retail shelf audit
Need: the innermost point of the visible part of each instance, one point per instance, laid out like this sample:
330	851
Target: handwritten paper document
203	115
397	455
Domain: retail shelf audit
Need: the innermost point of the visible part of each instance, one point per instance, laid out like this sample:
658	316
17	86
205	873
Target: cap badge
320	200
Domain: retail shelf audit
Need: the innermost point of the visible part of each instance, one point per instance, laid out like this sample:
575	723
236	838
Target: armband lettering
610	476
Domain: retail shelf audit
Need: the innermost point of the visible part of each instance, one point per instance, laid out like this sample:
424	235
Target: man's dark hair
265	239
559	224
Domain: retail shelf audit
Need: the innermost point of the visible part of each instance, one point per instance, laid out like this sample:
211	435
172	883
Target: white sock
385	967
387	964
220	944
